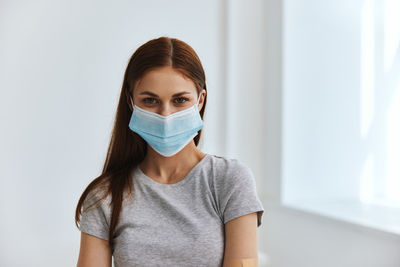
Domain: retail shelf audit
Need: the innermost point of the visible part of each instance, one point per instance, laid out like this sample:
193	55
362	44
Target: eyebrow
152	94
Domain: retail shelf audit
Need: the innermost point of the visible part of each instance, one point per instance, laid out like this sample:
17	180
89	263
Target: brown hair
126	148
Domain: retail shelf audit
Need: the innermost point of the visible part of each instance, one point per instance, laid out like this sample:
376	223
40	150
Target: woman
160	201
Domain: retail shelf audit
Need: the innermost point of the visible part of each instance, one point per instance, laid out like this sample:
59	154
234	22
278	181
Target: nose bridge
164	109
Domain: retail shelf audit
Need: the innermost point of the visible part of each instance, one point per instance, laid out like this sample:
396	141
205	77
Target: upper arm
241	241
94	252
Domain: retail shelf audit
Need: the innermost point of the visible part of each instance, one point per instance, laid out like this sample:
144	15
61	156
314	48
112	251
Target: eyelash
184	98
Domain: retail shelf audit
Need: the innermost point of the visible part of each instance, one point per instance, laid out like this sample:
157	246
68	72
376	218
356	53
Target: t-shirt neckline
146	179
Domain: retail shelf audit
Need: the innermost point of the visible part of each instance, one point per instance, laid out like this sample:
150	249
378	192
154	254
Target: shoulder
97	199
95	219
230	171
235	189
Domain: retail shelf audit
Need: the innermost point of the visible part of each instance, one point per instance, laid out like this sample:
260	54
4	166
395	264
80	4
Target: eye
182	98
147	100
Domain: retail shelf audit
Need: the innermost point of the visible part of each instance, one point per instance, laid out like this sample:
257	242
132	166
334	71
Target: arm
241	242
94	252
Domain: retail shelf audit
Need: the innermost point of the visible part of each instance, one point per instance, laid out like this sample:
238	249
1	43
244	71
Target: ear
128	100
201	101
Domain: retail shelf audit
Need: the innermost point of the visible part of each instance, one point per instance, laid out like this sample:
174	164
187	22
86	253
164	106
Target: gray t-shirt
179	224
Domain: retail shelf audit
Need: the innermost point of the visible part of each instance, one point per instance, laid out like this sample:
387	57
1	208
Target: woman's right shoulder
97	197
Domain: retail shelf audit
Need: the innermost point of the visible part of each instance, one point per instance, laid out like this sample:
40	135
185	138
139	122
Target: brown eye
148	100
182	100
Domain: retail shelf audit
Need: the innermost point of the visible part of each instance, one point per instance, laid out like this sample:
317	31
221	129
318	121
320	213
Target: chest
169	230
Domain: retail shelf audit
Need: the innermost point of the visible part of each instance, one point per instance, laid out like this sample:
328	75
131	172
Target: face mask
166	134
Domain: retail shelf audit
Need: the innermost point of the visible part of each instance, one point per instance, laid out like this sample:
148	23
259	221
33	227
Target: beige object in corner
249	262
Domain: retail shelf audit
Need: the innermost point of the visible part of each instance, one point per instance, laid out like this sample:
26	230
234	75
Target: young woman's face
165	91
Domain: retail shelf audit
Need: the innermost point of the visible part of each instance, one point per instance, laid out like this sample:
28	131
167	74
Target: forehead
164	81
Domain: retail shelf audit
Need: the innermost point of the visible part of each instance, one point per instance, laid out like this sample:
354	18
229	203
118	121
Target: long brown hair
126	148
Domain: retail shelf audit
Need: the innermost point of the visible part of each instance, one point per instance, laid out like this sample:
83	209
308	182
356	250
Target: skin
241	248
164	82
240	233
94	252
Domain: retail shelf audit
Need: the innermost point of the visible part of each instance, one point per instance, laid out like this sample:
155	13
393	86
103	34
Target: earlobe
130	106
128	99
130	102
199	105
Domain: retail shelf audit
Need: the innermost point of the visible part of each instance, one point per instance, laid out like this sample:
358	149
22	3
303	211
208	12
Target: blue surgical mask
166	134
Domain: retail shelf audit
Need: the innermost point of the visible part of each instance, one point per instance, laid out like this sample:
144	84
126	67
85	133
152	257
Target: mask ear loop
131	102
198	100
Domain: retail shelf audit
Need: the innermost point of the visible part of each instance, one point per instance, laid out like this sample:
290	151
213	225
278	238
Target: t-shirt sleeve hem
241	212
99	234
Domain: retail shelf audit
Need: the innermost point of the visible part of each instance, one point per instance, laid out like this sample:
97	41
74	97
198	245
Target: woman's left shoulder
230	169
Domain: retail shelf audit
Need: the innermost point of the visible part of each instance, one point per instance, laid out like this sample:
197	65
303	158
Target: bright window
341	110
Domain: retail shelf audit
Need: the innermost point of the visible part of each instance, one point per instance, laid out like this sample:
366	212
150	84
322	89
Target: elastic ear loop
198	100
131	102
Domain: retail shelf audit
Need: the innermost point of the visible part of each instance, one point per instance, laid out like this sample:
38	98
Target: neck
165	167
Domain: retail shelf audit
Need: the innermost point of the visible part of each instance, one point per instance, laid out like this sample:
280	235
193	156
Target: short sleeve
94	217
239	194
